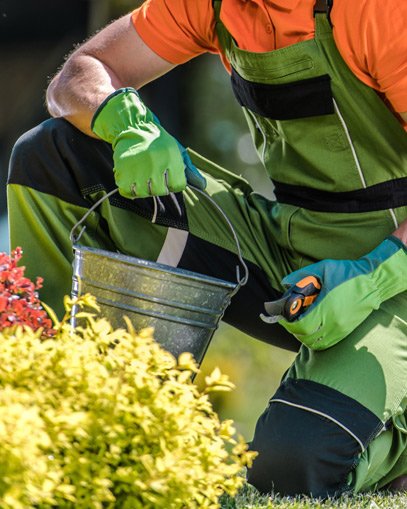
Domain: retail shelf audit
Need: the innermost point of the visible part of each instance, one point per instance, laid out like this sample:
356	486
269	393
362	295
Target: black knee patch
309	439
41	161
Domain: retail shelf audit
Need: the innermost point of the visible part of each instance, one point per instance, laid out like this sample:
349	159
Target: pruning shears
294	301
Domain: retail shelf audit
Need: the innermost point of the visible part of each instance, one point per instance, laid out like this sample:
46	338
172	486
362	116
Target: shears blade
294	302
274	310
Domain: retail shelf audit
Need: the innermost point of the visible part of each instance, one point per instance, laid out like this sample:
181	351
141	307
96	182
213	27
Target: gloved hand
148	161
351	290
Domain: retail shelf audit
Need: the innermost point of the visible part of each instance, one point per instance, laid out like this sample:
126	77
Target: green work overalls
338	159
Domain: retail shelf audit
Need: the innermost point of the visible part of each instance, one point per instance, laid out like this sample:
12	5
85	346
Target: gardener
325	96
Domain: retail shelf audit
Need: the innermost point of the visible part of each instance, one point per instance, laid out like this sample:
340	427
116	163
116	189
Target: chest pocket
287	101
294	116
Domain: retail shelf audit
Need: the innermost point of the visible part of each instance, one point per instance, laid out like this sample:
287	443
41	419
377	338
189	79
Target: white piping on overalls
322	414
355	156
263	155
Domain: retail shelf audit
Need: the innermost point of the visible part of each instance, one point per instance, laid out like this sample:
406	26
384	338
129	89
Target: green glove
351	290
148	161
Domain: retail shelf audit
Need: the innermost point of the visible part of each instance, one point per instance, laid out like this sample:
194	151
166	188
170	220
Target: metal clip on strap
323	6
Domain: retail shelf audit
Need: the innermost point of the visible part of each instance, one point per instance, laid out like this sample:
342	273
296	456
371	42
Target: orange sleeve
371	36
177	30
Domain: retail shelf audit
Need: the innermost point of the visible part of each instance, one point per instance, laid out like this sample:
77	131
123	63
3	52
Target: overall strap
224	36
217	4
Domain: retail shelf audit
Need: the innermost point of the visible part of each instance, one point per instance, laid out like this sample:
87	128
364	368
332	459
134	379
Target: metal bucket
184	307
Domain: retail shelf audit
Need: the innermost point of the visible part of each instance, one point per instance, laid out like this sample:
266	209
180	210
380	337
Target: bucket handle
241	281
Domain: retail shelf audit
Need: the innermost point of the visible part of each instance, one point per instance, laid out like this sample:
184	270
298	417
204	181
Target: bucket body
184	307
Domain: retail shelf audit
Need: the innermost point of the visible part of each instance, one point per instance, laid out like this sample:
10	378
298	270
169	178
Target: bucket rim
159	267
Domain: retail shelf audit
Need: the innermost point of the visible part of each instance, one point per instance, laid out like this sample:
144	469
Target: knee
34	139
58	159
307	442
32	146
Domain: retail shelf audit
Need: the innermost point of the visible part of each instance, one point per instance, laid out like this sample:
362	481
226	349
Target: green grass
249	498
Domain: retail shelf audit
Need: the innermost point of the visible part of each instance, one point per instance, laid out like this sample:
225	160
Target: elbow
59	90
51	102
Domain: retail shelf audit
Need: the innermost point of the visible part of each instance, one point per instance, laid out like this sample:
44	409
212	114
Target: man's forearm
115	57
77	90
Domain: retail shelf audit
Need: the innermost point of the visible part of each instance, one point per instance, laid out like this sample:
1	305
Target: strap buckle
323	6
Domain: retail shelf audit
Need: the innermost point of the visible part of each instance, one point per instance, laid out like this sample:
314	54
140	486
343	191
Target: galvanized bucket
184	307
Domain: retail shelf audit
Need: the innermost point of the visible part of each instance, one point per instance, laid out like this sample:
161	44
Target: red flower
3	303
19	301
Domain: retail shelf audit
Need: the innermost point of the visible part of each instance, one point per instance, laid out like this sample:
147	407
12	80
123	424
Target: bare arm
401	232
115	57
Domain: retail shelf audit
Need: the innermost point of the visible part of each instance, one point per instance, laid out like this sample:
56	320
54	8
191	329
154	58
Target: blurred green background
194	102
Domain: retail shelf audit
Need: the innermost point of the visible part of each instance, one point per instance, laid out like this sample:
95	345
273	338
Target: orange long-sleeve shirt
371	35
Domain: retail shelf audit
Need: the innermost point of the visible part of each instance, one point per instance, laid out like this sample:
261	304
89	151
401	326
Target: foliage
254	367
100	418
19	302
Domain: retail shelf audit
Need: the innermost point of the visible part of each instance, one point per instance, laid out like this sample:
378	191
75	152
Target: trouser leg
45	200
57	173
338	421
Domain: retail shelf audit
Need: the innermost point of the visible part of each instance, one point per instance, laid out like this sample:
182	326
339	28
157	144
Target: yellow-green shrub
103	418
